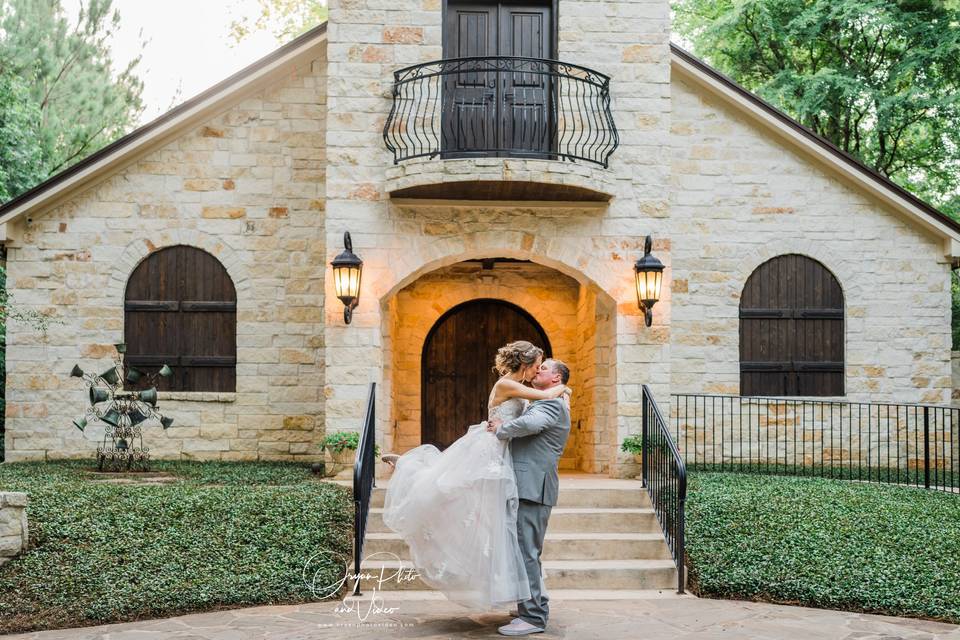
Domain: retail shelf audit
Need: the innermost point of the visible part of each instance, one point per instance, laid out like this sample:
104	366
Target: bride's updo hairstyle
516	355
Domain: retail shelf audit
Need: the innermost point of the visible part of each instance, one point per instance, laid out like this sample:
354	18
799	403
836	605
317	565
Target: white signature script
371	583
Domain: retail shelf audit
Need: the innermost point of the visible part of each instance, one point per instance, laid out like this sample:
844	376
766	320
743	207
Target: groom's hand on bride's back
493	424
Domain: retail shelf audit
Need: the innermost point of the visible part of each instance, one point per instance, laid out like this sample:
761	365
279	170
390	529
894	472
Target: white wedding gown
457	511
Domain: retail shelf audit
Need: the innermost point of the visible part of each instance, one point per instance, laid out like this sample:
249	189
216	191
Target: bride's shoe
390	459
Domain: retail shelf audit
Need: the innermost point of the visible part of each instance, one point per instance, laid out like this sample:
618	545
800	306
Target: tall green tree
21	157
878	78
65	67
286	19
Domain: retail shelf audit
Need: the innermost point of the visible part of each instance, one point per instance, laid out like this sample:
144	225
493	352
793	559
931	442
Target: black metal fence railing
364	481
909	444
665	478
501	106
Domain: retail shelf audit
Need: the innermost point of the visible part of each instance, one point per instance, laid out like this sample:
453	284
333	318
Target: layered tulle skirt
457	511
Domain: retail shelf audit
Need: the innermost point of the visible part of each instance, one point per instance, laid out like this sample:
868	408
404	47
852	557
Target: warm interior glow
648	286
346	282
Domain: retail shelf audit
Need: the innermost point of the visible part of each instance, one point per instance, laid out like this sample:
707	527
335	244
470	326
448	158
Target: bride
457	509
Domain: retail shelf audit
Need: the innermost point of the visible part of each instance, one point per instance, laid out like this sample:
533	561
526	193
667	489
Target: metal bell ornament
122	411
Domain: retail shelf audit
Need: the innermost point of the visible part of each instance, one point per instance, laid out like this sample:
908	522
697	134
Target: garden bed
825	543
222	535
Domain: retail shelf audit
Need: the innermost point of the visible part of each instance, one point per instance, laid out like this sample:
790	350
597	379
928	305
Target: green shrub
825	543
102	553
340	440
632	444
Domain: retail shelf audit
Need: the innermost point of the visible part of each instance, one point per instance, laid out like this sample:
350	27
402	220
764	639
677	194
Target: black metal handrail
364	480
511	106
665	478
912	444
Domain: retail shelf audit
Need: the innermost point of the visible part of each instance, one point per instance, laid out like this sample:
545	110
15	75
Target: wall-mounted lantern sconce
347	268
649	273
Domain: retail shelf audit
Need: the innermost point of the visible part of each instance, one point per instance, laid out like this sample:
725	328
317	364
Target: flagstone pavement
671	617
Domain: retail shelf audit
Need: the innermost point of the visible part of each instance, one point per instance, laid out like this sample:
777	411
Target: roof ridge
160	120
857	163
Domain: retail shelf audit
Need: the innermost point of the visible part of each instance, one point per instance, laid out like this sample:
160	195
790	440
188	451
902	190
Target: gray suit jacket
539	435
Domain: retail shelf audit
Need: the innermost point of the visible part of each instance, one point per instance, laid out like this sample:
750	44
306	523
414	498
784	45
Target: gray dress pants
532	520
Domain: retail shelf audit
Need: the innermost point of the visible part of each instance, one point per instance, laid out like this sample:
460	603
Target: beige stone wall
369	40
738	198
802	433
246	186
593	417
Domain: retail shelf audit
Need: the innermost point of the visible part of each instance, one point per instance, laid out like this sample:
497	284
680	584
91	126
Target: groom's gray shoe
518	627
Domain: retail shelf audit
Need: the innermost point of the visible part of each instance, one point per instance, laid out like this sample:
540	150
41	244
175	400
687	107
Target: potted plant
634	444
342	446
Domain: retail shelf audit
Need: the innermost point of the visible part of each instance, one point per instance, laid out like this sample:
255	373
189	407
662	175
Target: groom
539	435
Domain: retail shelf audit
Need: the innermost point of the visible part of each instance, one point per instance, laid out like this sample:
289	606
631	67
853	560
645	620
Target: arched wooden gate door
457	364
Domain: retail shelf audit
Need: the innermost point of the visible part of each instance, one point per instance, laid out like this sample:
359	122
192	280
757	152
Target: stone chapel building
498	166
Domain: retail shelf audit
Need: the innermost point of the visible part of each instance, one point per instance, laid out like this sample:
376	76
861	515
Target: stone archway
577	318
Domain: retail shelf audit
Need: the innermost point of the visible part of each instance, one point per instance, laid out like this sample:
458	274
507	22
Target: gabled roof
249	79
722	86
109	158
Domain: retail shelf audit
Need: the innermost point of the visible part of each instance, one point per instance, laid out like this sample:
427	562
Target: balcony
501	107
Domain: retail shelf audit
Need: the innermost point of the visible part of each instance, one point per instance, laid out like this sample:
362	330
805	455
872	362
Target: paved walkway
671	618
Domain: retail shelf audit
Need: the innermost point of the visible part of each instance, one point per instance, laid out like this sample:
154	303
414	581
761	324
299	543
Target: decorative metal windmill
124	412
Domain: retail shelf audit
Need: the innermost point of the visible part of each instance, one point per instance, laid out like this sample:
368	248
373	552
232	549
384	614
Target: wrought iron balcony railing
501	106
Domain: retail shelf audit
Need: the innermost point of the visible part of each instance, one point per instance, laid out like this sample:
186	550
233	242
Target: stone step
556	595
556	546
400	575
571	520
632	495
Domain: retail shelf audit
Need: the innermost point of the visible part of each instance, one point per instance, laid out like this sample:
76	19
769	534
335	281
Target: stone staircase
603	542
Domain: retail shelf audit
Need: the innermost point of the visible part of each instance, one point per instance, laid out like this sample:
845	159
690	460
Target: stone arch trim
564	256
836	265
136	251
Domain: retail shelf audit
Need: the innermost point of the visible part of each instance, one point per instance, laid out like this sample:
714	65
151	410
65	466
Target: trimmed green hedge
225	535
825	543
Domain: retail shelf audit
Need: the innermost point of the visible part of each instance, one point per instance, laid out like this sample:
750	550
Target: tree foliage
66	83
21	157
285	18
878	78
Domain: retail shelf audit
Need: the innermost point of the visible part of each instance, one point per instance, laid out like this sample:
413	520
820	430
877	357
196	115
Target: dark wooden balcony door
497	110
457	364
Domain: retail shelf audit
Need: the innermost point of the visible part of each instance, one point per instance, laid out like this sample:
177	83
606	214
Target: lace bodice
507	410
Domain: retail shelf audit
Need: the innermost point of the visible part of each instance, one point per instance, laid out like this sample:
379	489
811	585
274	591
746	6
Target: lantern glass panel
648	285
346	281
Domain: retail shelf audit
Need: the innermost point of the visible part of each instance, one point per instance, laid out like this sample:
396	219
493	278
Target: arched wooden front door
457	364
